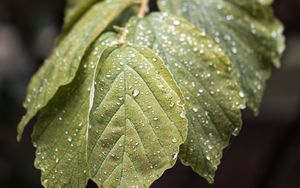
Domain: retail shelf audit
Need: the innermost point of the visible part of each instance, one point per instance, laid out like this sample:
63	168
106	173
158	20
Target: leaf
75	9
246	30
203	72
62	65
120	122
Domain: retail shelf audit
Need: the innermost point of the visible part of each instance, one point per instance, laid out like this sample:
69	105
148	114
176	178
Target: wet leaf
204	74
120	122
246	30
61	67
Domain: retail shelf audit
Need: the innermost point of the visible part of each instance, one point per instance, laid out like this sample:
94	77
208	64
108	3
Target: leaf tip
20	128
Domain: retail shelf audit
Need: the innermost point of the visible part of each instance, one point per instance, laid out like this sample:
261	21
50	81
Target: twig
144	8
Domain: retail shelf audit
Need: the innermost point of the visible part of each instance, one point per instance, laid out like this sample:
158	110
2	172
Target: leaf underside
205	77
120	122
61	67
248	32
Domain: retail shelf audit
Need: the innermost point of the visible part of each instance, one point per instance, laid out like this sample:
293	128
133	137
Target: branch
144	8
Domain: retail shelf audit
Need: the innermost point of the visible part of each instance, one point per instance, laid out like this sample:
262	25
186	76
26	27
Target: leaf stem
123	36
144	8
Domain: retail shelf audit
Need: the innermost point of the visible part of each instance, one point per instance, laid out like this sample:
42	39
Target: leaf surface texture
246	30
120	122
61	67
204	74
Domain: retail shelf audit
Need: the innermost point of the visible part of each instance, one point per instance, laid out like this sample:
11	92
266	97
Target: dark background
266	154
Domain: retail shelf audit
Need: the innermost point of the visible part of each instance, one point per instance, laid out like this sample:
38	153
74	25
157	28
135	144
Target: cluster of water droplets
205	76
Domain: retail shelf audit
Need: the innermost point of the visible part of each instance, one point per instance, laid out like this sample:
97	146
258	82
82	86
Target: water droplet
193	84
234	50
176	22
174	140
229	17
242	94
235	131
182	114
135	92
70	139
45	181
175	155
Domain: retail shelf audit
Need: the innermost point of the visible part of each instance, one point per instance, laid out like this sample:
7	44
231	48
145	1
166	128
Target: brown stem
144	8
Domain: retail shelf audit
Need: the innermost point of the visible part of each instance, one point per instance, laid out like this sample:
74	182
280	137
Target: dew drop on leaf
174	140
195	109
135	92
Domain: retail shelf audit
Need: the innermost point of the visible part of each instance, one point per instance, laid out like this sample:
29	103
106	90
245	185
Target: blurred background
266	154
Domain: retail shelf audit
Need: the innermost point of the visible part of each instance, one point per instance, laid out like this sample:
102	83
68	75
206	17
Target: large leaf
246	30
120	122
205	76
61	67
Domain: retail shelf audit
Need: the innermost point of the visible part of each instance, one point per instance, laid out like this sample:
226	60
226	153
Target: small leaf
120	122
76	9
265	2
204	74
61	67
246	30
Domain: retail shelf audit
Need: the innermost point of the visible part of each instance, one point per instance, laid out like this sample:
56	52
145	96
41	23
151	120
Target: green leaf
246	30
120	122
61	67
204	74
75	9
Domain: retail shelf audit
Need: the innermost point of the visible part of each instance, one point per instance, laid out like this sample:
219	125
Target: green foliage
246	30
61	67
119	107
120	122
205	77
